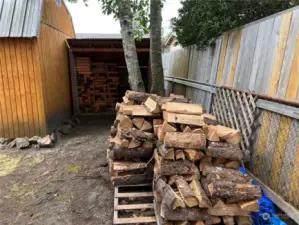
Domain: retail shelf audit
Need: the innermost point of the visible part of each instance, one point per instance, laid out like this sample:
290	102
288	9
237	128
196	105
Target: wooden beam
106	50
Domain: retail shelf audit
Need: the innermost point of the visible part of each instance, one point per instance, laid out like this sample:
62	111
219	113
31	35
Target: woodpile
196	165
98	85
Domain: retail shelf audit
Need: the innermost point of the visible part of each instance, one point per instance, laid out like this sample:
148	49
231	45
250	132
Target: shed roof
20	18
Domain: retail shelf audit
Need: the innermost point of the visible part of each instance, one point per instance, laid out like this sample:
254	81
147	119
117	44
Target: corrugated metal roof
20	18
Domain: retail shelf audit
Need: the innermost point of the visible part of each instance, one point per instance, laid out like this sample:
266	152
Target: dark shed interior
99	73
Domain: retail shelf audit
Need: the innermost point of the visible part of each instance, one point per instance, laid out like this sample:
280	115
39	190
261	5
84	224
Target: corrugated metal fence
262	57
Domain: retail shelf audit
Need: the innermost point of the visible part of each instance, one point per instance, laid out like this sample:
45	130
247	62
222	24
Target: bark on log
225	152
137	134
185	140
232	164
219	161
137	154
203	200
132	179
222	209
212	220
148	145
184	167
228	220
126	101
186	192
184	108
183	214
244	220
113	131
227	189
139	97
205	161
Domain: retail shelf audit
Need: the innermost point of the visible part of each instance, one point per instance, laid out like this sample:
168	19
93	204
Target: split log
132	179
113	131
222	209
166	127
209	119
137	134
244	220
156	124
183	214
230	135
226	152
152	105
122	142
228	189
160	133
198	130
166	153
146	126
187	130
183	119
127	101
128	166
181	223
183	167
205	161
130	154
117	106
189	178
148	145
179	154
235	164
228	220
137	110
197	223
138	122
134	143
139	97
203	200
211	133
183	108
185	140
170	198
193	154
163	100
212	220
252	206
186	192
204	185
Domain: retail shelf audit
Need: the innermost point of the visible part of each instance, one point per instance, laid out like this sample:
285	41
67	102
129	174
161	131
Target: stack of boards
98	85
196	160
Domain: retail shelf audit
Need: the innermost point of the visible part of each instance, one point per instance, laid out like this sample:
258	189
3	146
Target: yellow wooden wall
21	98
56	27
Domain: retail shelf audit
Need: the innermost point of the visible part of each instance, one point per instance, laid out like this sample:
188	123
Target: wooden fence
261	57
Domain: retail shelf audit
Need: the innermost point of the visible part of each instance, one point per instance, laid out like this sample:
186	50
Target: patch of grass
36	160
73	168
8	164
59	198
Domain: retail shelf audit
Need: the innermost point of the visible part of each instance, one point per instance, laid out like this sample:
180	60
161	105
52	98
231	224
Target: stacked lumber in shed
196	176
132	139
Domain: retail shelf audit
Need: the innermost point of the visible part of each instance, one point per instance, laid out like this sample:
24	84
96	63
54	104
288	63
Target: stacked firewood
132	139
196	176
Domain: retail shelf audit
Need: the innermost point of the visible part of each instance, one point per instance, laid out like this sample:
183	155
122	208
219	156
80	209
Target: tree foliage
200	21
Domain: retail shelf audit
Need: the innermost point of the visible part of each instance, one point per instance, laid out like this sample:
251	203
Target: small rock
11	144
34	139
54	137
45	142
5	141
22	143
65	129
76	120
71	123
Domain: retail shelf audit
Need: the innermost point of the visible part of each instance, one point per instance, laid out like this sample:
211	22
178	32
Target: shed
99	74
34	72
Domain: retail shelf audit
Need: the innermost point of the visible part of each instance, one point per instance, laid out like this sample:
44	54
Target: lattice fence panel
235	109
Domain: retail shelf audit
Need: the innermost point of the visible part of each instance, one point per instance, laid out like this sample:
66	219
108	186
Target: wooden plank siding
19	98
262	57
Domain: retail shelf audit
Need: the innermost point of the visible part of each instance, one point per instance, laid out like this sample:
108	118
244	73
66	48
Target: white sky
91	20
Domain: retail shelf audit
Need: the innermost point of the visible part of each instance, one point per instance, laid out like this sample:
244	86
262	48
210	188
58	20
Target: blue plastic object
267	214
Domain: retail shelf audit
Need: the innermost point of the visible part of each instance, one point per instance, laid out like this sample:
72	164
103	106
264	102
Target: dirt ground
67	184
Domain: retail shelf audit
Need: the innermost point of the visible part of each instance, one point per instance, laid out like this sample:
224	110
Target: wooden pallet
133	194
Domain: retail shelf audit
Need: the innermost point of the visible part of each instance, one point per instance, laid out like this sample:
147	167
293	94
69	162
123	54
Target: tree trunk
128	40
156	48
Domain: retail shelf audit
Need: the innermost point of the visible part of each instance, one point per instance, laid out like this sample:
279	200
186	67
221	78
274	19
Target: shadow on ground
67	184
